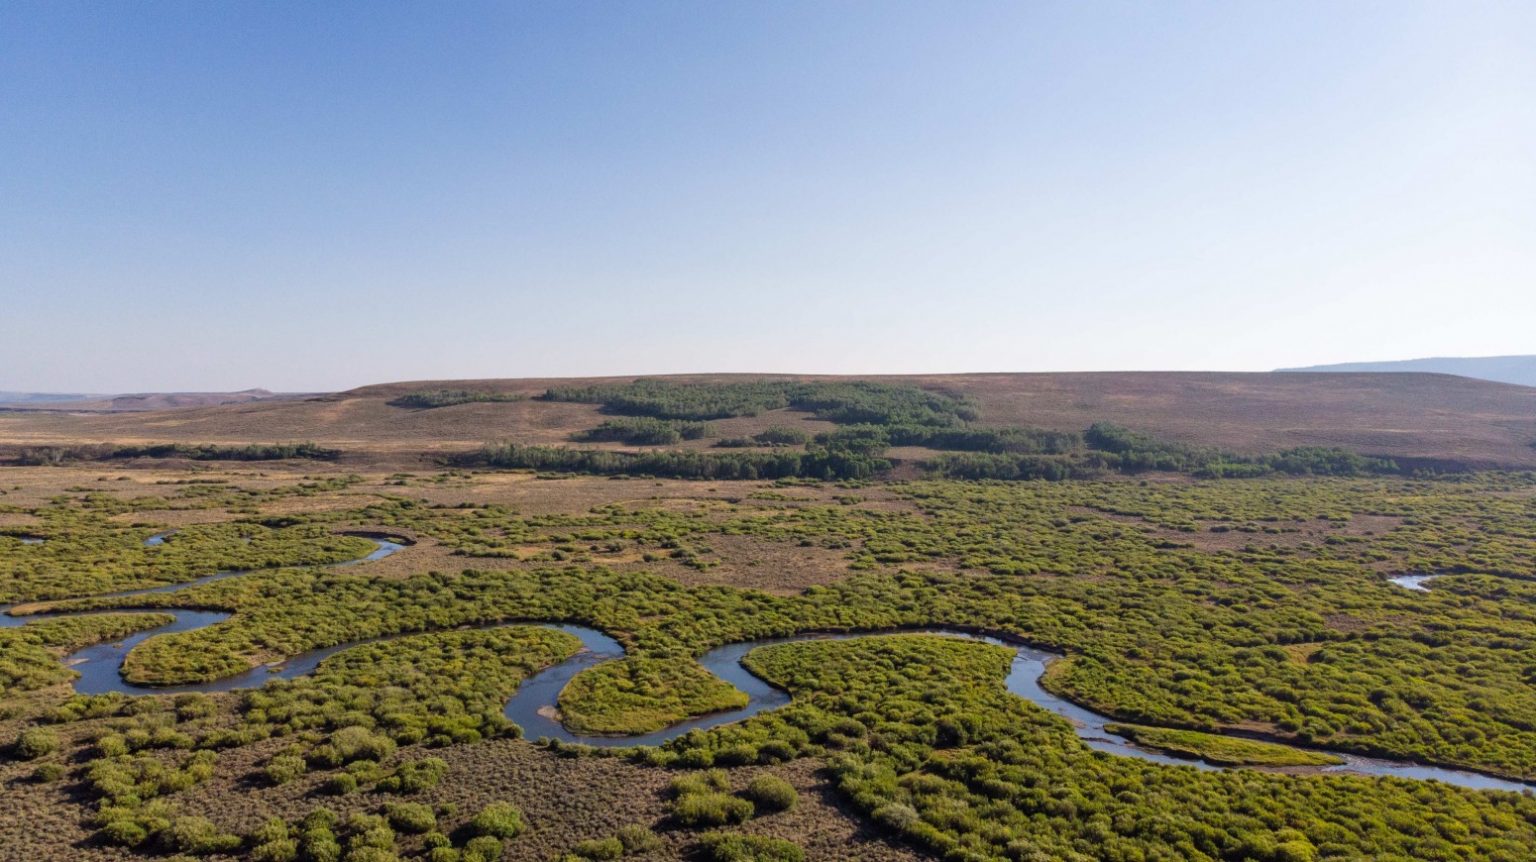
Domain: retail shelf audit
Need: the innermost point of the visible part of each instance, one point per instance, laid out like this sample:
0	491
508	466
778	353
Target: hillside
1519	370
1440	417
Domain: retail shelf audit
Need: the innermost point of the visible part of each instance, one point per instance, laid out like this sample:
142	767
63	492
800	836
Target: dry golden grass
774	567
21	520
173	517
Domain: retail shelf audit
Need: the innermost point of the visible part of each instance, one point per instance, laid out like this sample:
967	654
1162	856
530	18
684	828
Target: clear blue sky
310	196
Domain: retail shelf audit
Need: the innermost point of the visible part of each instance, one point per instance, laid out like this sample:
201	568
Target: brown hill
1428	416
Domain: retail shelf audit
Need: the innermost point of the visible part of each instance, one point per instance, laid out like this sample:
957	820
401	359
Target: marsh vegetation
1187	608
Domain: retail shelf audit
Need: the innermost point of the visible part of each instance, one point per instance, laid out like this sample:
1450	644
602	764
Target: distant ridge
43	397
1429	419
131	403
1520	370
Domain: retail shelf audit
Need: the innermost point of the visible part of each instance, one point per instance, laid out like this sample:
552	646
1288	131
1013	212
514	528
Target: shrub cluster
703	799
735	847
771	793
498	820
641	694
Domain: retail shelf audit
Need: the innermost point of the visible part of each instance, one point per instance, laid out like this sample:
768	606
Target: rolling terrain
735	618
1437	418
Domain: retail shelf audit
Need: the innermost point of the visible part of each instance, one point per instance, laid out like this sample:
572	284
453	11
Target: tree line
646	431
812	464
850	402
53	455
429	398
1093	461
964	438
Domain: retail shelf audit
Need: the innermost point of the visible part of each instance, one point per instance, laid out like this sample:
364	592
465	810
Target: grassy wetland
1235	607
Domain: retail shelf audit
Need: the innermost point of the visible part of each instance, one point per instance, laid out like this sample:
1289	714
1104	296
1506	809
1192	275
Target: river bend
534	705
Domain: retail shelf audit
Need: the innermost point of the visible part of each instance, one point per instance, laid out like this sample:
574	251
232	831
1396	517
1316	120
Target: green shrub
710	809
412	817
341	784
499	820
415	776
484	848
273	842
700	782
369	830
124	832
285	768
599	849
360	743
771	793
111	745
275	850
198	835
371	854
194	705
776	751
731	847
637	839
35	742
48	772
272	828
317	838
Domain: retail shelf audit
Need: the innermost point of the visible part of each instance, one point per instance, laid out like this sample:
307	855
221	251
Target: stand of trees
778	435
49	455
813	464
845	403
646	431
1091	464
965	439
429	398
873	417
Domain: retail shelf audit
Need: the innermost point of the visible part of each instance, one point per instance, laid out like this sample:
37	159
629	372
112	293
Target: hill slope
1520	370
1430	416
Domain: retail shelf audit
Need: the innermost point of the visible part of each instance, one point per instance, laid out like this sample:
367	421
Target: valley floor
1262	607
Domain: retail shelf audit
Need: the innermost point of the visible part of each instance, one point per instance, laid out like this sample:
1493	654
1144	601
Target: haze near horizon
312	198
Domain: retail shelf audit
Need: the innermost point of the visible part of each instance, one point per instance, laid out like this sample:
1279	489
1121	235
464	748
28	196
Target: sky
313	196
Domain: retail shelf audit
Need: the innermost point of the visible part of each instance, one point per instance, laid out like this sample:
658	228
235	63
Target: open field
1209	612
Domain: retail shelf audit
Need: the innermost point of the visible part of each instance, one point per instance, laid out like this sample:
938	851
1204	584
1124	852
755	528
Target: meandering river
534	706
